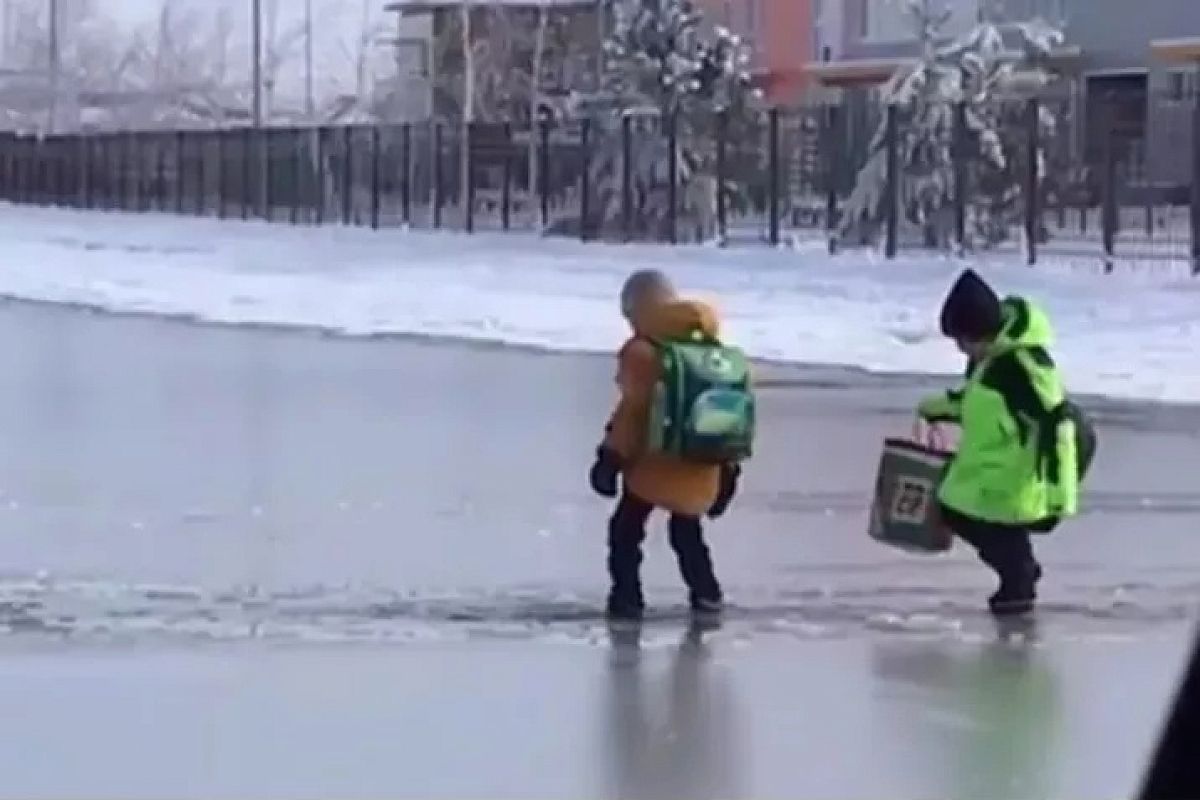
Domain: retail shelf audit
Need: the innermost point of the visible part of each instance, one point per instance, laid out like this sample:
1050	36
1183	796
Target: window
1052	11
1182	85
892	21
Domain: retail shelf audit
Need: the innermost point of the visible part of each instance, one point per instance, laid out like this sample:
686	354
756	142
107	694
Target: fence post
1033	214
722	170
672	178
296	168
773	179
406	166
585	177
1109	220
961	176
506	180
318	174
892	192
201	174
266	170
220	137
5	172
627	176
180	169
85	171
469	179
348	204
1196	175
122	172
376	142
437	175
544	172
833	158
247	171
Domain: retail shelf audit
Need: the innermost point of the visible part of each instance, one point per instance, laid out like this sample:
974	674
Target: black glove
605	473
729	486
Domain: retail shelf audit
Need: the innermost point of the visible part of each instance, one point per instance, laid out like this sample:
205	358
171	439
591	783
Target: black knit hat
972	309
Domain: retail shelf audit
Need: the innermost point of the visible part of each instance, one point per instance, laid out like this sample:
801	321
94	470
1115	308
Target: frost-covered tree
663	67
987	71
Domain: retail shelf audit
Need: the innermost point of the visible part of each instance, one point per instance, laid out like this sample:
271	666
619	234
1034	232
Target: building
430	62
782	36
1131	64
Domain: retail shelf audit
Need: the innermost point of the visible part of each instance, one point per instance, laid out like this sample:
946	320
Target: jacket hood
1023	325
680	319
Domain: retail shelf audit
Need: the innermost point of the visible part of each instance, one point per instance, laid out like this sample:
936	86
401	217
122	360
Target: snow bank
1131	335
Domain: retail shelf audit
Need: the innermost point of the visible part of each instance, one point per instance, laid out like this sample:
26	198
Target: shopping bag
904	512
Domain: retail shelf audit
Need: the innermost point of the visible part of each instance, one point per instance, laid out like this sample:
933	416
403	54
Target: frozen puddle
95	611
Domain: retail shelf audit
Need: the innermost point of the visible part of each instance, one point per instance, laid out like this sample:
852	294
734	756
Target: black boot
626	530
625	605
695	565
1017	593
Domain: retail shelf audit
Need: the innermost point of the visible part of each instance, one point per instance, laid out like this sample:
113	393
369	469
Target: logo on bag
910	501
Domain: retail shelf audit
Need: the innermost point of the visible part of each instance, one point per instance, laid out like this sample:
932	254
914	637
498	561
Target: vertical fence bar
773	178
247	171
296	169
122	172
833	159
627	176
348	206
1196	174
201	173
436	180
406	167
180	170
85	150
5	170
222	138
962	187
722	175
585	178
672	179
376	177
1033	213
506	179
468	163
318	174
264	172
892	195
1109	217
544	172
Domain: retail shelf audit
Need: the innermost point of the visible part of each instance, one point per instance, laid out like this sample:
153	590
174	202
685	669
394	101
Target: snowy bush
987	72
662	66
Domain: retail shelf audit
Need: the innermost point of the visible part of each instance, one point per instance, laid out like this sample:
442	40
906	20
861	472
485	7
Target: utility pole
55	59
309	100
256	60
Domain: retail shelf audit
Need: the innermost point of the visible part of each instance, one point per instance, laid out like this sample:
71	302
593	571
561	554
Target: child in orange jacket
654	480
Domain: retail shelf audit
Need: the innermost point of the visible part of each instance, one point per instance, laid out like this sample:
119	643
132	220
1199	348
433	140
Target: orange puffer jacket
664	481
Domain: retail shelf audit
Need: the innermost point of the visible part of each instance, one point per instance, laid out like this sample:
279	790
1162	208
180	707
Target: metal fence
783	178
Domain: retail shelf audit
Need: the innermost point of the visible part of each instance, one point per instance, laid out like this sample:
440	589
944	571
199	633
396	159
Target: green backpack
703	409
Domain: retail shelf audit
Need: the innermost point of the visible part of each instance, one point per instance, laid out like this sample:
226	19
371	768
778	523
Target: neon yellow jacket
1016	462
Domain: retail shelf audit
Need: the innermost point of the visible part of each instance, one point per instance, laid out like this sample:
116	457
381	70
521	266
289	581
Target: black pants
627	531
1007	549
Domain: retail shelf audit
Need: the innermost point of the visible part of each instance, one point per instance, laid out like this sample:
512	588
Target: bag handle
928	434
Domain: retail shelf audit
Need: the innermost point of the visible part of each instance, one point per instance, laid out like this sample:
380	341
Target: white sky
337	29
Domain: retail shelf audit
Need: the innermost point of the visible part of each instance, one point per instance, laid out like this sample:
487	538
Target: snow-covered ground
1134	334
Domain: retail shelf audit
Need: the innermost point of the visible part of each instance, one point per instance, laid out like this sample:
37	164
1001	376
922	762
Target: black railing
782	177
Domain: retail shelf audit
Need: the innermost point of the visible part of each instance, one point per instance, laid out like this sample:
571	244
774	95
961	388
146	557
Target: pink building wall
782	34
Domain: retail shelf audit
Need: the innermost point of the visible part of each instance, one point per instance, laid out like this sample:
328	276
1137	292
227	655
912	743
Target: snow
1133	334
